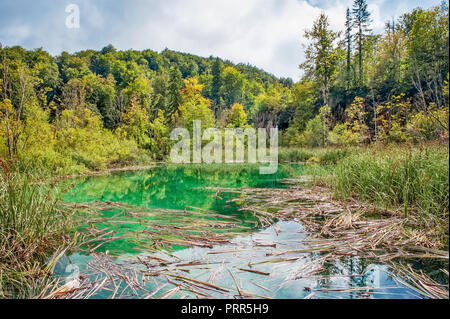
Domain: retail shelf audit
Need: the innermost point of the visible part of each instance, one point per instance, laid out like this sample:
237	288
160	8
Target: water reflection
274	250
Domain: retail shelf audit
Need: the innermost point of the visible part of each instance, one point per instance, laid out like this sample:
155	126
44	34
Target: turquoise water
289	275
172	187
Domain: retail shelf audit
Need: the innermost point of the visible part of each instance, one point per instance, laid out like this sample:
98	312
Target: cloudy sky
265	33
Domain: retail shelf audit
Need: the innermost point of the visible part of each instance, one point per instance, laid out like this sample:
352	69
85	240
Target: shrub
341	135
428	126
314	133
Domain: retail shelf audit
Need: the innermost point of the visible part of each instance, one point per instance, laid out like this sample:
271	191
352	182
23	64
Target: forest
362	95
96	109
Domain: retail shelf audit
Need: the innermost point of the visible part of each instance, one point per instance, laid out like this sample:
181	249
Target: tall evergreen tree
348	41
174	91
361	20
216	71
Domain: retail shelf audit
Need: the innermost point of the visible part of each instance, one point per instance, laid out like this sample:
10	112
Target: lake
241	259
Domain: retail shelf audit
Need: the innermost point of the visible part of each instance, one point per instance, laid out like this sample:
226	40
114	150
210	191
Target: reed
31	229
412	178
324	156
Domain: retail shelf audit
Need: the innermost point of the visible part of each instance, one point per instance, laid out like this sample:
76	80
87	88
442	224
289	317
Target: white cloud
265	33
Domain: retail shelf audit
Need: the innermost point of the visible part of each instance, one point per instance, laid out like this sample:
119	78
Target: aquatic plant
413	179
31	229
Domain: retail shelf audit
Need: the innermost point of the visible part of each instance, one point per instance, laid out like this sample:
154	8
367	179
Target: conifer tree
361	20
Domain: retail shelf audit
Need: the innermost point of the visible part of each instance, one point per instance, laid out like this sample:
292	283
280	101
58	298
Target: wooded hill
94	109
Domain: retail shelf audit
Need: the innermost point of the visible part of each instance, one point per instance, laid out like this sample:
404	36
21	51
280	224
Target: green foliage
39	144
84	141
323	156
413	178
354	131
428	53
217	70
270	105
321	61
294	155
31	229
159	137
392	118
399	75
446	89
314	134
344	97
174	91
96	109
233	83
361	20
194	106
303	99
237	117
428	126
135	124
321	55
100	97
343	135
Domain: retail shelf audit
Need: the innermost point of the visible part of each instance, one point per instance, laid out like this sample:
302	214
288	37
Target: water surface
285	276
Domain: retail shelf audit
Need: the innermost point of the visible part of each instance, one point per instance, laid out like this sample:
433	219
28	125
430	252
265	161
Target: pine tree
174	91
217	68
348	40
361	20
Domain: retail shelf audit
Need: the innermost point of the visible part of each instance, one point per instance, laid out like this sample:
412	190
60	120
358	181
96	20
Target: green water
172	187
178	187
169	187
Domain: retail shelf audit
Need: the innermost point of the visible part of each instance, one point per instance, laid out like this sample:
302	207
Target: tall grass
31	229
294	155
413	178
325	156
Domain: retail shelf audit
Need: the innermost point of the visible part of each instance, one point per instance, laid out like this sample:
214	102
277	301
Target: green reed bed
324	156
413	179
31	229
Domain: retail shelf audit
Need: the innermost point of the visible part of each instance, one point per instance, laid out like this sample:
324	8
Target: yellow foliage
237	117
194	106
391	119
428	126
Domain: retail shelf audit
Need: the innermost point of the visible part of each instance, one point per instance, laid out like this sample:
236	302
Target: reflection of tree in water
345	266
168	187
432	268
171	186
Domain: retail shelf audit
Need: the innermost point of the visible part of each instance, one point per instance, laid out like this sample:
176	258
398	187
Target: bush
314	135
333	156
341	135
294	155
428	126
91	147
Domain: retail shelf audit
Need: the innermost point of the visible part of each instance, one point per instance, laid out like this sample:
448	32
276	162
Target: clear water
176	187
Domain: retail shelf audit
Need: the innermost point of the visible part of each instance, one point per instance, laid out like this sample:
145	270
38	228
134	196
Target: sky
264	33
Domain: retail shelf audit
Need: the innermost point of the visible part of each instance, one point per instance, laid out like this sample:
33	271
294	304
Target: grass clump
31	229
415	179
